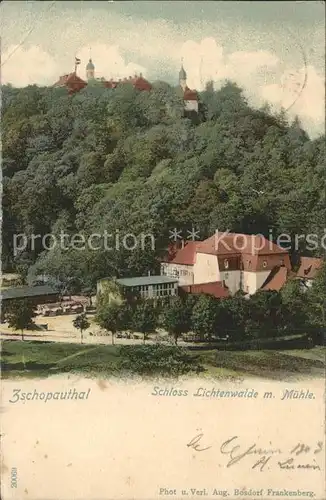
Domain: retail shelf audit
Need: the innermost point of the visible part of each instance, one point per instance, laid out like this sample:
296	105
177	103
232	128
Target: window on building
282	262
265	263
226	264
164	289
249	264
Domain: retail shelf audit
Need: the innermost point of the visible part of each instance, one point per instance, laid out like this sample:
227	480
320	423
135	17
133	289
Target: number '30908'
14	477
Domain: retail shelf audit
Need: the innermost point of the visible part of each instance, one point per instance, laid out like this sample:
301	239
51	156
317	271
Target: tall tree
20	314
144	318
317	305
112	312
111	319
81	323
205	316
175	318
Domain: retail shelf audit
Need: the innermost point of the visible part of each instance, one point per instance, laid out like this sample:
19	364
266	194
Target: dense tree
266	315
295	311
129	161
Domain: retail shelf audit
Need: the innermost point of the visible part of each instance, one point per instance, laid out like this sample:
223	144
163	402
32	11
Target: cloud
203	61
308	102
109	62
35	66
206	61
28	66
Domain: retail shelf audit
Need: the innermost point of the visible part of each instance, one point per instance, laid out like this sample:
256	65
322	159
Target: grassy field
42	359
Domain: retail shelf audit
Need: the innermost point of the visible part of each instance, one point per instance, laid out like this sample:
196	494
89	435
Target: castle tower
90	70
182	78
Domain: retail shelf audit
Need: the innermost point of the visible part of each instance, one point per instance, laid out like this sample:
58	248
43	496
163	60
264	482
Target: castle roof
139	82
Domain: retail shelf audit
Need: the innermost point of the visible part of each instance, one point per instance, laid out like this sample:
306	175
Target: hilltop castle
73	83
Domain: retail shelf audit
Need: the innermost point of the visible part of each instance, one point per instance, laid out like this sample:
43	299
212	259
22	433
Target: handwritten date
235	452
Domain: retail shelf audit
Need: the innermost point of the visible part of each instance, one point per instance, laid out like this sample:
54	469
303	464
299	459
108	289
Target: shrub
159	360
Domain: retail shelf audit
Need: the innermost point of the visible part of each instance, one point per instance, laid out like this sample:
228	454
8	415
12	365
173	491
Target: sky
274	50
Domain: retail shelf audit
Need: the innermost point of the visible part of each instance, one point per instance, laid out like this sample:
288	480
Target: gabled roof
237	244
215	288
276	280
309	267
214	246
186	255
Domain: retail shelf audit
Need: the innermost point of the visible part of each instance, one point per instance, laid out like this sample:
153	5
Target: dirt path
79	353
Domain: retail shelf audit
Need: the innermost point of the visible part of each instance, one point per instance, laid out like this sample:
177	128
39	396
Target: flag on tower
77	61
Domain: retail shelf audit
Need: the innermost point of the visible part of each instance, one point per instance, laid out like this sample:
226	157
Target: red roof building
190	95
239	261
244	251
74	83
216	289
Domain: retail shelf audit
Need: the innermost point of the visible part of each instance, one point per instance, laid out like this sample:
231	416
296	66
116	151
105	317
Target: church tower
182	78
90	70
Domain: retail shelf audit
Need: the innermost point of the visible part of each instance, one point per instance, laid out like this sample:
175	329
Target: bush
159	360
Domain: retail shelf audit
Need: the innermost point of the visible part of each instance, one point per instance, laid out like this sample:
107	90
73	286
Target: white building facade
235	269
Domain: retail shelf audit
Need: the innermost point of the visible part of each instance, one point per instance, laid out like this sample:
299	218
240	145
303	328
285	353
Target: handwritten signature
235	452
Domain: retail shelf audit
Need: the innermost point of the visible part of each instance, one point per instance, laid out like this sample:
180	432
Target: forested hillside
129	161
